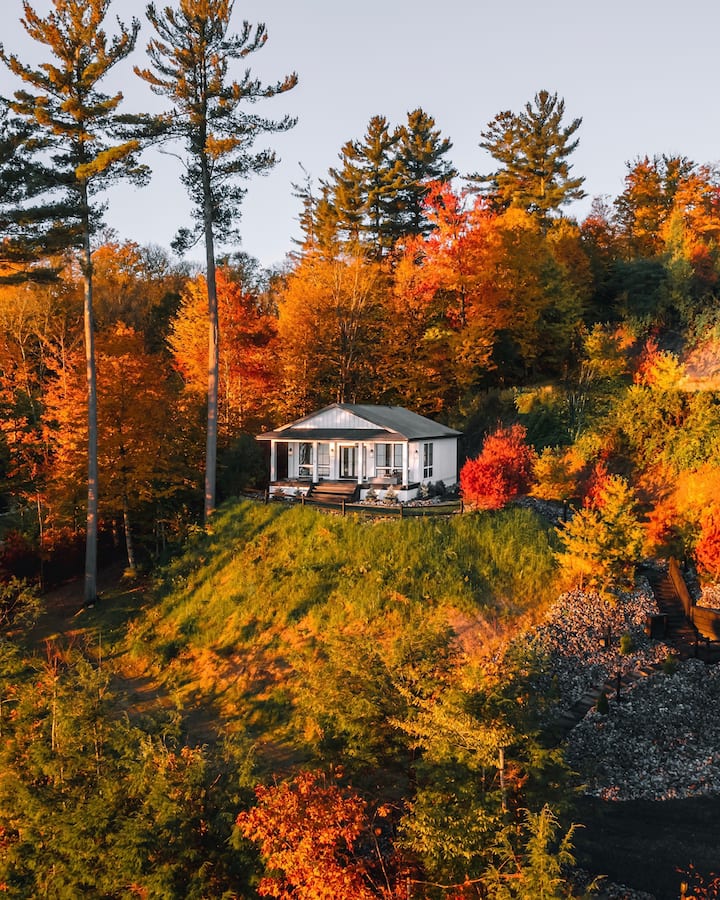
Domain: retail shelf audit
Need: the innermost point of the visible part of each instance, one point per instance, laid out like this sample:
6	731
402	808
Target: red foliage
502	470
707	549
595	485
307	830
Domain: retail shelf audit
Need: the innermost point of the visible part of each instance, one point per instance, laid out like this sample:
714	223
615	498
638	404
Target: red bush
501	471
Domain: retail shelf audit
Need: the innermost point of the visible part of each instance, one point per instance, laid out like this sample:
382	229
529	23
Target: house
350	448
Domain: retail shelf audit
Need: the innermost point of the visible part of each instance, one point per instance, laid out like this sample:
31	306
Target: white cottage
350	448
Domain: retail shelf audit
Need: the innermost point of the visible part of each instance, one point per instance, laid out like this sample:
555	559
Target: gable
334	418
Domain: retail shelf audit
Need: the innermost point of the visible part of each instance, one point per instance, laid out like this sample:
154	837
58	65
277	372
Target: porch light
290	450
371	451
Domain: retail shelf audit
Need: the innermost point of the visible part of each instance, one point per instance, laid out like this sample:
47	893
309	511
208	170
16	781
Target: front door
348	461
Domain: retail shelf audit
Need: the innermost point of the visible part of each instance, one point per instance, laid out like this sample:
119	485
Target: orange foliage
658	369
307	830
503	469
707	548
246	335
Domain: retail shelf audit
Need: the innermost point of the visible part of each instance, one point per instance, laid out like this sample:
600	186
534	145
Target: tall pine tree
190	57
421	152
532	148
76	123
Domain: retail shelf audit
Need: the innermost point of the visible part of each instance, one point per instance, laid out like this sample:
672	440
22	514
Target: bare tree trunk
92	501
128	535
213	348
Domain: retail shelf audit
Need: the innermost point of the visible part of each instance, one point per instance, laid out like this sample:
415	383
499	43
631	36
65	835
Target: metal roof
389	422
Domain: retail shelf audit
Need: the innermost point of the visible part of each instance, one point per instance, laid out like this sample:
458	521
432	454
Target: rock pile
573	647
660	742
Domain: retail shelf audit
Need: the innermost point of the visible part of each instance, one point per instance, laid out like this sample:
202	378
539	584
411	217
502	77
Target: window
388	459
323	460
305	461
427	460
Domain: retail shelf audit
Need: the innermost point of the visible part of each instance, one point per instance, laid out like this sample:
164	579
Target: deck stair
333	493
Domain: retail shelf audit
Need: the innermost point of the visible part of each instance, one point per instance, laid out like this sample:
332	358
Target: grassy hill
277	596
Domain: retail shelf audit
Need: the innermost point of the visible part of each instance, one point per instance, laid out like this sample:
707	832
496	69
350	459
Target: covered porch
298	465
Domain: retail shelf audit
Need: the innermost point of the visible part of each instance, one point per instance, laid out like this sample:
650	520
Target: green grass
270	585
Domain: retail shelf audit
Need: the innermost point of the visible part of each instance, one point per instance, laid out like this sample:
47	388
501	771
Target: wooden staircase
681	633
333	493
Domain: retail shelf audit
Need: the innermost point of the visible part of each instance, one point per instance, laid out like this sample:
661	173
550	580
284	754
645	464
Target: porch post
406	463
273	461
361	461
315	463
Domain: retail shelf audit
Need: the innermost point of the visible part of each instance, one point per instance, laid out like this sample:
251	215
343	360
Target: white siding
444	461
335	418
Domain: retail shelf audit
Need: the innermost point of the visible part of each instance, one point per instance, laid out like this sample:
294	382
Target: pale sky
642	74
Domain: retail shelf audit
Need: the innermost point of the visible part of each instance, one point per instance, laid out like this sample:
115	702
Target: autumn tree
190	58
532	148
603	541
331	331
642	209
245	361
503	469
76	122
707	547
556	475
308	830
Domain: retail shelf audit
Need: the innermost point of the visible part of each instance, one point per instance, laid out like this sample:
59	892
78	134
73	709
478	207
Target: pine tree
366	188
532	148
421	153
190	57
25	226
76	122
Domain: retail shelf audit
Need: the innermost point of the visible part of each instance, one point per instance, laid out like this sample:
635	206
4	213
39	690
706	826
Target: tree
532	148
77	123
364	190
27	227
538	867
307	830
421	153
189	59
503	469
707	548
378	194
643	207
603	540
330	332
246	354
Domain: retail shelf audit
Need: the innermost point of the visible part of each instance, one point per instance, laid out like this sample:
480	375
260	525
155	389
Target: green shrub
602	706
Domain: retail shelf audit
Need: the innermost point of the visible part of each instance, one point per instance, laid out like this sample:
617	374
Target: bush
503	470
20	604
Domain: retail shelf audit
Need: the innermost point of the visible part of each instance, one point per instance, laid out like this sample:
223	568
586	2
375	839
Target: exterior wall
444	466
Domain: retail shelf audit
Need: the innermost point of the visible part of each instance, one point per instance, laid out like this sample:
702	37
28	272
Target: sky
642	75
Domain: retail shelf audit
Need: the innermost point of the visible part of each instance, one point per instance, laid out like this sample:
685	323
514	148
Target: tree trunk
213	347
92	501
128	536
